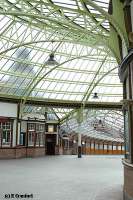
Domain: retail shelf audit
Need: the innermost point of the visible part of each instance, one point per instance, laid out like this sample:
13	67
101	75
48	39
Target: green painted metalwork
78	28
87	95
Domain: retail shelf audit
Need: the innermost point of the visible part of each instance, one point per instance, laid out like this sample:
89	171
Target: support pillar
126	76
79	145
57	139
121	149
17	127
94	147
103	147
107	147
85	147
90	146
79	120
112	147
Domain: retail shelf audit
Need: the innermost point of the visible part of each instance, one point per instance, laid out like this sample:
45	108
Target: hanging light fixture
98	124
100	121
51	60
95	96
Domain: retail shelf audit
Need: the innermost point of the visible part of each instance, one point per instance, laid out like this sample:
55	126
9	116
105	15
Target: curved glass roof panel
76	31
105	125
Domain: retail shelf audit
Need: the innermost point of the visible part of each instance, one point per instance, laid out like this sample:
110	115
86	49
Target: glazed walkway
63	178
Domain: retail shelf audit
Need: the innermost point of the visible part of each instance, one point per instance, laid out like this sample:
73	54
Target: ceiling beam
63	103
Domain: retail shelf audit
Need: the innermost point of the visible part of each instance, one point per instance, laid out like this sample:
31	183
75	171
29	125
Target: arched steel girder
120	30
60	12
39	41
24	44
43	17
78	29
92	17
32	85
98	39
56	9
68	22
89	90
88	13
29	44
74	111
88	30
109	17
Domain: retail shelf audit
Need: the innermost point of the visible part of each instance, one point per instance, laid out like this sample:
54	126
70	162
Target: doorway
50	144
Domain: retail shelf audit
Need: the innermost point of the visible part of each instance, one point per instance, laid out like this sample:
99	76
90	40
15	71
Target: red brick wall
7	153
21	152
35	152
39	152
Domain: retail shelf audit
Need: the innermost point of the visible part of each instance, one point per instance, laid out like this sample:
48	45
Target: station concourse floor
63	177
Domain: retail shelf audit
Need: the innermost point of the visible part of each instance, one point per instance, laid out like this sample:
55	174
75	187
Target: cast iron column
79	143
79	120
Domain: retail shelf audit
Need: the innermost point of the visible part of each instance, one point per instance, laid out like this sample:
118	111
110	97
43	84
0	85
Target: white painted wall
8	109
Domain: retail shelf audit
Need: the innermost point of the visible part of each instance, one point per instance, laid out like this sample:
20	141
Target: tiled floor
63	178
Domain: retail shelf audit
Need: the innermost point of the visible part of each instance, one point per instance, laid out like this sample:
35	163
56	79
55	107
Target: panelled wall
92	147
107	148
